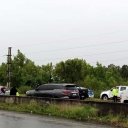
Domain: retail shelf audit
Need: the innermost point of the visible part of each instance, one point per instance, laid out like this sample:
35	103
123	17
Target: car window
45	87
58	87
49	87
52	87
42	87
122	88
70	87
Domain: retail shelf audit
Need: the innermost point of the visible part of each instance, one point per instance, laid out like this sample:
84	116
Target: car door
123	88
49	91
58	90
44	91
40	91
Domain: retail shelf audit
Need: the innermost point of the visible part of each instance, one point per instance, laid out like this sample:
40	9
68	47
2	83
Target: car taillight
76	91
66	92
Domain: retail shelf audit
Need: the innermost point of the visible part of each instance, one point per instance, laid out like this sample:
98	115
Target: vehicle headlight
27	92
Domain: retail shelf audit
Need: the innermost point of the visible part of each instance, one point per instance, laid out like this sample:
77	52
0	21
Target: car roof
63	84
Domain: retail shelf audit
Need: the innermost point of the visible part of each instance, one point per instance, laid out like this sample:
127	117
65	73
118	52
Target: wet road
16	120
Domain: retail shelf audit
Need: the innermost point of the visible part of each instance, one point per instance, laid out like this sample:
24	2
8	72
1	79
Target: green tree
24	71
3	74
47	73
100	71
113	76
72	70
124	72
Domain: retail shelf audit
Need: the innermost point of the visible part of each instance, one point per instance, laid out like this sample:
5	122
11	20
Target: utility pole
9	62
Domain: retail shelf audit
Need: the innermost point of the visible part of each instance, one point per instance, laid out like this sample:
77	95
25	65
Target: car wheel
105	97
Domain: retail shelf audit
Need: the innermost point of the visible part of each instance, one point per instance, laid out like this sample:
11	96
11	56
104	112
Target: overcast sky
55	30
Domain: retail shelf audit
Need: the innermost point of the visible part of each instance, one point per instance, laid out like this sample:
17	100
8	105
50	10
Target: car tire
104	97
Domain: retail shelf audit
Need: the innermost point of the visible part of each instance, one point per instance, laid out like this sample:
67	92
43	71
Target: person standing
13	91
115	94
2	91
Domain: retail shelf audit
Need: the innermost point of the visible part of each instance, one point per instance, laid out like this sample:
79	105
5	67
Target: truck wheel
105	97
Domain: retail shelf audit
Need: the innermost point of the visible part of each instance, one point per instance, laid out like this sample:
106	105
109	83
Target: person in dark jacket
13	91
2	91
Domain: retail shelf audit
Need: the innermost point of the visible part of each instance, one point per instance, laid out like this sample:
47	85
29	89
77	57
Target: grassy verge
75	111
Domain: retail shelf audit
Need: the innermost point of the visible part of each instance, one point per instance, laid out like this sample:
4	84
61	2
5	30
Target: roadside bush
23	89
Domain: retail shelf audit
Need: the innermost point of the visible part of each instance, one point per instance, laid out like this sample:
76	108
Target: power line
112	52
95	54
94	45
100	61
81	47
117	59
102	53
61	40
86	55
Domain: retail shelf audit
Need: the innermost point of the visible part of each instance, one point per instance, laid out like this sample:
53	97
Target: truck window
122	88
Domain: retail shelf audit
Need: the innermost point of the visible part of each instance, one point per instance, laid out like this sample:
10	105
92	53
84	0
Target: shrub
23	89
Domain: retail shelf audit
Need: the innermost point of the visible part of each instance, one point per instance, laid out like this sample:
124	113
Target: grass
77	112
69	111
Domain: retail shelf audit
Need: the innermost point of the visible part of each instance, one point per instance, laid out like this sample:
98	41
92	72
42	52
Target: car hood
107	91
30	91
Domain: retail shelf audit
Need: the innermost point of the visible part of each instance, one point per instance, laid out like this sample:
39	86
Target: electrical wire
85	46
80	47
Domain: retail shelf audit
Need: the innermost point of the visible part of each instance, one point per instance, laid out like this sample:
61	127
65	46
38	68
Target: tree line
24	72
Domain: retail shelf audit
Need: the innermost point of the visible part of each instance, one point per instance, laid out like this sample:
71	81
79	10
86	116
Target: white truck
124	96
105	95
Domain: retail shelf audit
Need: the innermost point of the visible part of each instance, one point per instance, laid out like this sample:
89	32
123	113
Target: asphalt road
18	120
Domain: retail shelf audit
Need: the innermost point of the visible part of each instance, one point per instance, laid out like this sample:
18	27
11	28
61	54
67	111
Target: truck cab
106	95
124	96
